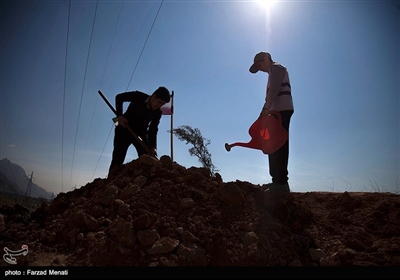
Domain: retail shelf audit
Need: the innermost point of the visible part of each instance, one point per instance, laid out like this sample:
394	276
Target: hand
122	121
153	152
264	112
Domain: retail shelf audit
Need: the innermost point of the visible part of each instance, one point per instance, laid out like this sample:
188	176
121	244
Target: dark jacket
143	121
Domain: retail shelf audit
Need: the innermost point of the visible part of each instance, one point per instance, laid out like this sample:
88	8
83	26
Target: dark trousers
122	140
278	161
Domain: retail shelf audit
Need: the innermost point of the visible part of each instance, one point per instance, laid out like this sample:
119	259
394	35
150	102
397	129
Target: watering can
267	134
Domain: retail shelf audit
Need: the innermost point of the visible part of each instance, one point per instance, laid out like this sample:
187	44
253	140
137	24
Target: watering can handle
276	114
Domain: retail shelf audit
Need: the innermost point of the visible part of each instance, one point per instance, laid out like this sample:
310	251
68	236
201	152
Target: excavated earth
157	213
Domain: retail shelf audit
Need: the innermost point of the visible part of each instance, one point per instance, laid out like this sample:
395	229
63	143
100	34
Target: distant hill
8	186
13	173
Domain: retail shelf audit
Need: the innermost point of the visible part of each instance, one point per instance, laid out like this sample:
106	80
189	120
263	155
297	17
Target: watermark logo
10	254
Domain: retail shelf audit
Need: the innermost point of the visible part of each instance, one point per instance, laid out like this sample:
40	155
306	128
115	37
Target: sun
266	3
266	7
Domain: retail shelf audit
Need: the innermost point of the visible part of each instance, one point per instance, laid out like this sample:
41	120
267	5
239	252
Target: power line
77	125
83	86
101	83
109	133
112	42
148	35
63	103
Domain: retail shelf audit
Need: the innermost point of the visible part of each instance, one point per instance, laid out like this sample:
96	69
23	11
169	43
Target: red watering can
267	134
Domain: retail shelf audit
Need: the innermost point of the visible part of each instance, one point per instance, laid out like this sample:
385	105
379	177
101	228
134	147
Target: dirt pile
158	213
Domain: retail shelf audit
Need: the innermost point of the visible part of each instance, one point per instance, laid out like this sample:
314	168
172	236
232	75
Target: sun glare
266	3
266	7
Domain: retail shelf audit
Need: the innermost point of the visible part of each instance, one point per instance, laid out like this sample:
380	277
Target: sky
343	59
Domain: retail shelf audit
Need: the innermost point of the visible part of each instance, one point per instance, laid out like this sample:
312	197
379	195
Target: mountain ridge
14	173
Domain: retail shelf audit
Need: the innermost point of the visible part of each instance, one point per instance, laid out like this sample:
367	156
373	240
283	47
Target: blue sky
343	59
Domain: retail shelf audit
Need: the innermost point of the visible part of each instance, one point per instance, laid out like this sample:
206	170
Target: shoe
274	187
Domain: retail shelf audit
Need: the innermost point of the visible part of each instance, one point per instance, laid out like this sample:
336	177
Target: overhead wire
144	45
101	84
83	86
112	42
95	105
80	105
102	151
148	35
63	103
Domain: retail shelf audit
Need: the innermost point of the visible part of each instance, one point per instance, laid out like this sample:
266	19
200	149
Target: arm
153	130
119	100
276	76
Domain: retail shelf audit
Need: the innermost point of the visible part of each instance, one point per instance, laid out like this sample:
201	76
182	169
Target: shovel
128	127
267	134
